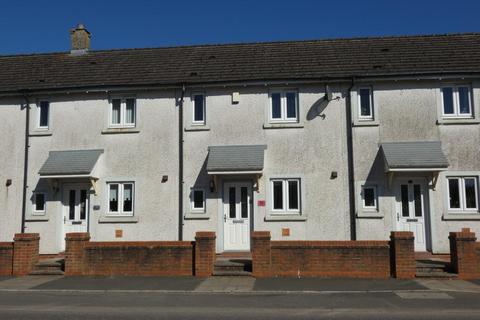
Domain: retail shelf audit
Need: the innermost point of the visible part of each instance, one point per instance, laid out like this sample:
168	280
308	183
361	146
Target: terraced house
310	140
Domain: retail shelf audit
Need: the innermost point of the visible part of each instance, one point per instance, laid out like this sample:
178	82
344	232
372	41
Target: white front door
412	207
236	216
75	209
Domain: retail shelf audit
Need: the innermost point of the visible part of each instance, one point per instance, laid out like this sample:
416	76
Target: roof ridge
233	44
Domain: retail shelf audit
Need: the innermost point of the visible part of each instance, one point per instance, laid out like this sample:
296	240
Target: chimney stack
80	39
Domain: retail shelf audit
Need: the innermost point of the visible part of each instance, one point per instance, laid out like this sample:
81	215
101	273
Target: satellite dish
328	93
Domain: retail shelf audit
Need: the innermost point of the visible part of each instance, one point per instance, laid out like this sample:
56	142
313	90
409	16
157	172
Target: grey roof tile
70	162
294	60
417	154
236	158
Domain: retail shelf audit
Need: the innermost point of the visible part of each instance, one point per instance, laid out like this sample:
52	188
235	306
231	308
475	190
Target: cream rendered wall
77	122
310	152
407	111
12	146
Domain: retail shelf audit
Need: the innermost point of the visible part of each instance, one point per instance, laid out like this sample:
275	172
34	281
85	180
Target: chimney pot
80	39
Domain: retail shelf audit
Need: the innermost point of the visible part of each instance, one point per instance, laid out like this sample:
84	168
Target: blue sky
42	26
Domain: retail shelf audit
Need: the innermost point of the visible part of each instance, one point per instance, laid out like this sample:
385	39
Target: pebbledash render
310	140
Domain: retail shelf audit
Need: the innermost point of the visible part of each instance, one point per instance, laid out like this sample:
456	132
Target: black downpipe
351	173
25	164
180	164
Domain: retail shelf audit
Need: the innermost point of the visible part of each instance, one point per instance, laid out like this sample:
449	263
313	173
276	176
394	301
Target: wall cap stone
26	236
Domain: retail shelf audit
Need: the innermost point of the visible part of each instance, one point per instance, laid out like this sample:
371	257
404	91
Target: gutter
25	163
180	164
255	82
350	162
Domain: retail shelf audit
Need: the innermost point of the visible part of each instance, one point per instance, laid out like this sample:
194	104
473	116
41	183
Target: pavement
58	297
231	285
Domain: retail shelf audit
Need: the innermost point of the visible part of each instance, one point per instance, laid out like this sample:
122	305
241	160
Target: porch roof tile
71	162
235	158
414	155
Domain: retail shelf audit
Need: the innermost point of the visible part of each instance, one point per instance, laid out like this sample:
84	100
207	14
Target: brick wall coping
205	234
6	245
407	235
261	234
463	235
330	244
77	236
26	236
139	244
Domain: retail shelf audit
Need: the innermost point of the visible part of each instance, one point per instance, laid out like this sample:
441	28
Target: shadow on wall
317	109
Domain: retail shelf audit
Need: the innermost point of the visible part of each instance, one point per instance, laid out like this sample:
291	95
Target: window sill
199	127
40	133
196	216
285	217
283	125
119	219
120	130
365	123
373	214
457	121
38	218
461	216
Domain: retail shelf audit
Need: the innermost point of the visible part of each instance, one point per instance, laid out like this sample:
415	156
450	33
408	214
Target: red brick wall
25	253
402	251
261	254
352	259
348	259
6	258
204	253
146	258
464	253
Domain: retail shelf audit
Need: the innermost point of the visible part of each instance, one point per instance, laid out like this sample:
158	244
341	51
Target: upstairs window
284	106
122	112
365	104
198	109
457	102
43	114
463	193
285	195
121	198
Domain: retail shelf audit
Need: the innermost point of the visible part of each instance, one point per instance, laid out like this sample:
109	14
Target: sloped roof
317	59
414	155
235	158
71	162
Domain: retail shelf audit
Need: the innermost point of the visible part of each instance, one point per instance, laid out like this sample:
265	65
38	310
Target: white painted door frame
237	207
412	210
75	211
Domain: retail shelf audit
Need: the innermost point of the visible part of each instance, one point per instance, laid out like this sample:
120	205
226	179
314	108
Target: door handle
224	218
64	219
398	216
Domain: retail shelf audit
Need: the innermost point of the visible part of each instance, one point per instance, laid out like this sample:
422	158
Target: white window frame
36	212
283	107
375	206
456	102
120	212
123	112
203	121
285	205
39	109
359	102
192	200
462	194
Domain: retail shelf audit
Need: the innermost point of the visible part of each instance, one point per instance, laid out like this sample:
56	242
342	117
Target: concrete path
232	285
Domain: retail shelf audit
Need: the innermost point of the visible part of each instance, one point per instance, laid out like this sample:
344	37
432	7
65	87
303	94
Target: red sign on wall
261	203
